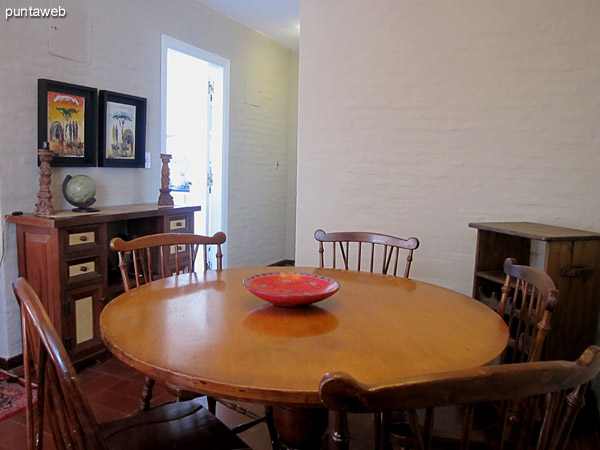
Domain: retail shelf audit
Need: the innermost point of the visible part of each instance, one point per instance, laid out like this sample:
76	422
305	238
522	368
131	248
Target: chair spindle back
527	302
382	247
162	255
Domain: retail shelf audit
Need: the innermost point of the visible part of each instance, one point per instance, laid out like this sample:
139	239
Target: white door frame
168	42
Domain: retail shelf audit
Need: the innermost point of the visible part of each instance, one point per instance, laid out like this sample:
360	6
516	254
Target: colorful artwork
66	124
120	131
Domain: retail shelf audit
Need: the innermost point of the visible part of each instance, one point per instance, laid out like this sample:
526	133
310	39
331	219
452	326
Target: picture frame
122	130
67	123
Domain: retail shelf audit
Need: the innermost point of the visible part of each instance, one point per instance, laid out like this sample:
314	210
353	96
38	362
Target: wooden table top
206	332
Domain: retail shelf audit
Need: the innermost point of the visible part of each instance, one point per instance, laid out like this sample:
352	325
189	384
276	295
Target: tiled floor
114	389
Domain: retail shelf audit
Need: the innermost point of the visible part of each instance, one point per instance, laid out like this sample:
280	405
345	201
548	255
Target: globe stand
85	210
44	207
165	197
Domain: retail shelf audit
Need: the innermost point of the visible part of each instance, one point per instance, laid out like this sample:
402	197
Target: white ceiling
276	19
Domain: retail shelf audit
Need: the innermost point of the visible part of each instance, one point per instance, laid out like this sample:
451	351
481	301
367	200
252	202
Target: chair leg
382	431
267	418
212	404
340	435
377	422
271	426
146	394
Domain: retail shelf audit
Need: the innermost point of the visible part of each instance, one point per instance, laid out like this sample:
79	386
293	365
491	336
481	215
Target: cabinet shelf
497	276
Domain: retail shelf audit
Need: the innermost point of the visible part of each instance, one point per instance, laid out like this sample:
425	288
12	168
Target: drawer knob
179	224
83	238
83	269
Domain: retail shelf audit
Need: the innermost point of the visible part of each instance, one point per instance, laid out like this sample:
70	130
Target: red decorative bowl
291	289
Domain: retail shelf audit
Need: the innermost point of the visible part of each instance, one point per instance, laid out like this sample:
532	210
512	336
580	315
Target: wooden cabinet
571	258
67	260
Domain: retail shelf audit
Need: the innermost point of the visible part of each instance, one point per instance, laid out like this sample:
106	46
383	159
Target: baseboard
11	363
284	262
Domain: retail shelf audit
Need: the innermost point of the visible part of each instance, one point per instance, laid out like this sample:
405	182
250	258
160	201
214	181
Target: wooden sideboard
67	260
571	258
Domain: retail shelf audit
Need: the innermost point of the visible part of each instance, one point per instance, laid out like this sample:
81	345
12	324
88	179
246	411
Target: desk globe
79	191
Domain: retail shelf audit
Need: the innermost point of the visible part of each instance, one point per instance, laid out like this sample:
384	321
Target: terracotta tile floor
114	390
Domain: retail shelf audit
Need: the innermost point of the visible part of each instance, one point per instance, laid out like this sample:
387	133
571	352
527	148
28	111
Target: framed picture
67	122
122	130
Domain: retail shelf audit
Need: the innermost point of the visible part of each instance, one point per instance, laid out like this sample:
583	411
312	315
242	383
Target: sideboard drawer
179	224
82	239
181	248
179	256
83	270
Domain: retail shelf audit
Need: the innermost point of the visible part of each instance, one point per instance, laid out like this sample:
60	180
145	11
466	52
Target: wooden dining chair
61	401
528	299
558	385
378	247
157	256
360	250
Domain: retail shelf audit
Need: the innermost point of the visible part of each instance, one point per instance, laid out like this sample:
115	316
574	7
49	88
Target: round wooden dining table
206	333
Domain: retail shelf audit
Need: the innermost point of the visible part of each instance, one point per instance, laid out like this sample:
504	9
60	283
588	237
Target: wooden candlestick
165	197
44	207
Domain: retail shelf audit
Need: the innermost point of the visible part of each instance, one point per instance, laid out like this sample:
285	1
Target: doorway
195	130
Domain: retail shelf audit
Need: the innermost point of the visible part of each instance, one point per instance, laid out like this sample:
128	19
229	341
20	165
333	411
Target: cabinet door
81	311
574	268
40	259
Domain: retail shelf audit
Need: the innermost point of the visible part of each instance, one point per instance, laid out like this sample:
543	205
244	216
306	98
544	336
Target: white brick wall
416	118
258	166
126	43
292	160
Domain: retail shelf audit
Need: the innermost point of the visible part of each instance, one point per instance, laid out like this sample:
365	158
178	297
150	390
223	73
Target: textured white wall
290	252
258	164
126	44
416	118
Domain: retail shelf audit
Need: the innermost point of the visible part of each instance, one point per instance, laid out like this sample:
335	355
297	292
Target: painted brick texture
416	118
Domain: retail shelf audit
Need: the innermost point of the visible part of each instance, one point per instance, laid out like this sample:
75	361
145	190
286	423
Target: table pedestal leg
300	428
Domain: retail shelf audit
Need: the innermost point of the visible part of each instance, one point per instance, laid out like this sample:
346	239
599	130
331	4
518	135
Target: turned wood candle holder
165	197
44	207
